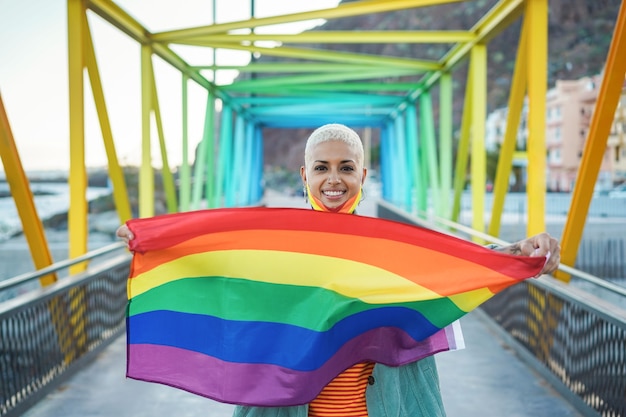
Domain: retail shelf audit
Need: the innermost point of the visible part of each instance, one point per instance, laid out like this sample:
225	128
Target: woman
333	177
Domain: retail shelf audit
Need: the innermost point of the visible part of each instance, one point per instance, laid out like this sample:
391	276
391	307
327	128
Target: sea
51	195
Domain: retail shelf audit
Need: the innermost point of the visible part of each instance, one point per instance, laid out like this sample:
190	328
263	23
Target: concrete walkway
484	380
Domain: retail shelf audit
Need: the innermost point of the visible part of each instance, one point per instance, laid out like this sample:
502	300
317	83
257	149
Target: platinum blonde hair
338	132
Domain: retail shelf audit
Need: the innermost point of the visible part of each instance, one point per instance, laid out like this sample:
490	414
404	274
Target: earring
305	194
362	195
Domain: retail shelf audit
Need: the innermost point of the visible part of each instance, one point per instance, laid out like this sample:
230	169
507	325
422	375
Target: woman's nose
333	178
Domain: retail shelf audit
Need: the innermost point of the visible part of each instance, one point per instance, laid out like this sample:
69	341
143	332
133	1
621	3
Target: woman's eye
347	168
320	168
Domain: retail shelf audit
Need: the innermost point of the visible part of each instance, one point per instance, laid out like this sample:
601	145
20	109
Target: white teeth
333	193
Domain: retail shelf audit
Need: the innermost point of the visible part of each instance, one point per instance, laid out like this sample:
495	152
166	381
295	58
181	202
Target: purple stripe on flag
252	384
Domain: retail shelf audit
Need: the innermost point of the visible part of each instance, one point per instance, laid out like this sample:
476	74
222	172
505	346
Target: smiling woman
334	174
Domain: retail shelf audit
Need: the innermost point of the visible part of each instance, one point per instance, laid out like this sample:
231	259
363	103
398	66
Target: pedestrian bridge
539	348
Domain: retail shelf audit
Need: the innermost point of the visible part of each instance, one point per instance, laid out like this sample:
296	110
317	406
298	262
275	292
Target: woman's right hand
124	233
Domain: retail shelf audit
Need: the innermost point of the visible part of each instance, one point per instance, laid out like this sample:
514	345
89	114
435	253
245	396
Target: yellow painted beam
77	216
146	173
507	151
116	174
23	198
478	166
117	17
446	94
325	55
166	174
537	44
595	144
462	153
113	14
343	37
493	22
343	10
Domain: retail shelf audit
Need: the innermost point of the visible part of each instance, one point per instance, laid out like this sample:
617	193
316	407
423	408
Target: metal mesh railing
581	341
47	333
577	339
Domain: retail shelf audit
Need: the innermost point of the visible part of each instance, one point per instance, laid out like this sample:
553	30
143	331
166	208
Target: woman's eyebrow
345	161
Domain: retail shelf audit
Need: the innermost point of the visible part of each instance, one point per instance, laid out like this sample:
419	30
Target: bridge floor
487	379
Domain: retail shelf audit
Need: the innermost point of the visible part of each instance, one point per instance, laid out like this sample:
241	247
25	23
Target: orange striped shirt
345	395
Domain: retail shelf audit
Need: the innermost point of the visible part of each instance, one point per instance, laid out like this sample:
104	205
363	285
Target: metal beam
283	81
285	90
514	114
24	200
492	23
117	17
325	55
287	67
342	37
478	165
116	173
595	145
537	67
355	8
146	172
77	216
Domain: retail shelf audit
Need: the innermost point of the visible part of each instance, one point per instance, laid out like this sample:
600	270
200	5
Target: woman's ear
303	174
364	175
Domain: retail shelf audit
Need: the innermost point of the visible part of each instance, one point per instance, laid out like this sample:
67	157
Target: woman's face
333	172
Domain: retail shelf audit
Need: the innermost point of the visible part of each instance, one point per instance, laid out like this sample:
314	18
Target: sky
34	80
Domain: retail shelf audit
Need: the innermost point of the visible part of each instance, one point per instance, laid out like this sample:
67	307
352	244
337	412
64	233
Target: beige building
617	139
569	108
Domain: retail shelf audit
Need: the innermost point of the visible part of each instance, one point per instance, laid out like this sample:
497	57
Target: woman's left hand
539	245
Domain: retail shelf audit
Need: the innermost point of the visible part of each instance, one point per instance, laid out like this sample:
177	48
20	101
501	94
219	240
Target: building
569	109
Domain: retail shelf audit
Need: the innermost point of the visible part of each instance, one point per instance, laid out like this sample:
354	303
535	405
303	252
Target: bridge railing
576	340
48	333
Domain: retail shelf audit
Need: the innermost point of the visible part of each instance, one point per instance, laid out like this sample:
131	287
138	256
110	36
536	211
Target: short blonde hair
335	131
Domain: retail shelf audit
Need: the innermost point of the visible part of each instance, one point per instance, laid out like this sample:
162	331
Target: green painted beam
429	150
462	153
379	87
204	167
283	81
325	55
184	199
283	67
417	188
321	108
361	99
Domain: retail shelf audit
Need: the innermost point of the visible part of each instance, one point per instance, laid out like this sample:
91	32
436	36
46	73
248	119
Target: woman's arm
539	245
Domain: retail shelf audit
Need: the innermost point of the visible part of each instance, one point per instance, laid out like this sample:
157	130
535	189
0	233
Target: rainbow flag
264	306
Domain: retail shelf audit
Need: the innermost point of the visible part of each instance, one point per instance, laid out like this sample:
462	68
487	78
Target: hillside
580	33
